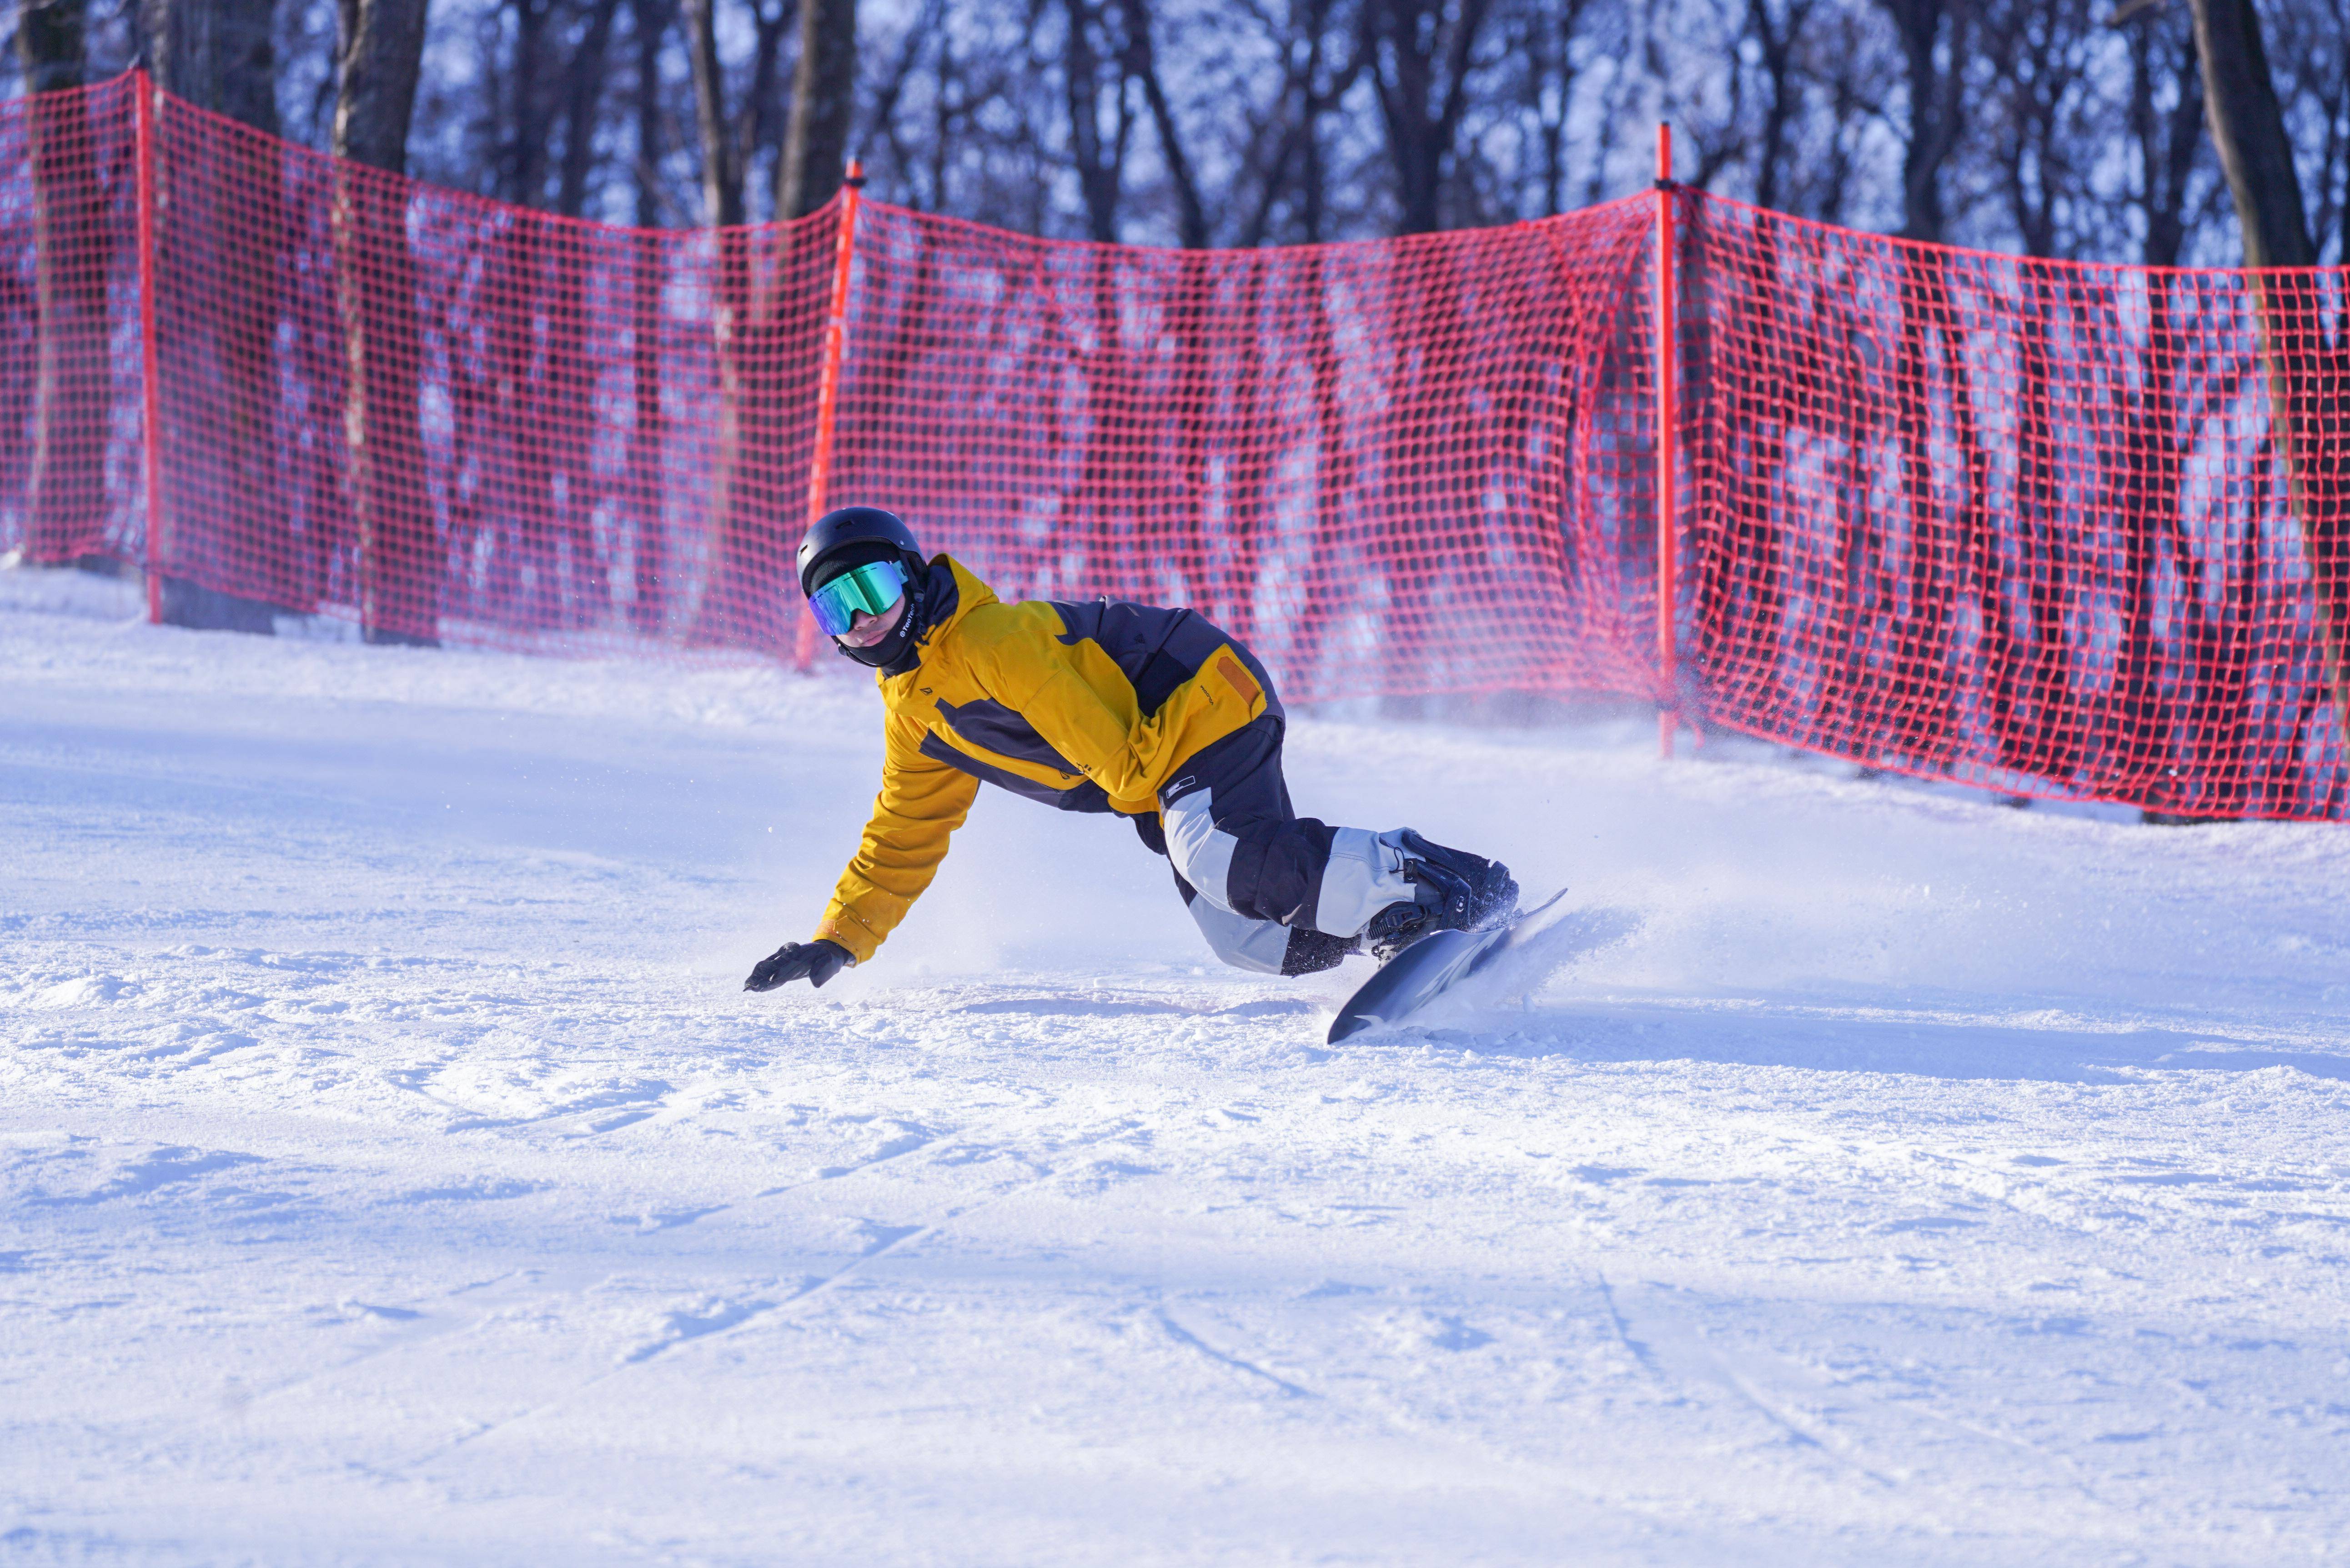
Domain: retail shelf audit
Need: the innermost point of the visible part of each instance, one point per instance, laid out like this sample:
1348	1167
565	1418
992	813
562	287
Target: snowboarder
1107	706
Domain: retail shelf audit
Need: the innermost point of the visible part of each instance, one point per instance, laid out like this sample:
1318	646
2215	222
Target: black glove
815	962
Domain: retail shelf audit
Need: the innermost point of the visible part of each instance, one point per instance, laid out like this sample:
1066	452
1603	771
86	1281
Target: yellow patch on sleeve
1239	680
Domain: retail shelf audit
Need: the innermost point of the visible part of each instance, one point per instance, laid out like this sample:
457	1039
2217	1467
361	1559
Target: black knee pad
1276	873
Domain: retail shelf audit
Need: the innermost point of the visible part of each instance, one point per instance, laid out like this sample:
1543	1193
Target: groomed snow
395	1172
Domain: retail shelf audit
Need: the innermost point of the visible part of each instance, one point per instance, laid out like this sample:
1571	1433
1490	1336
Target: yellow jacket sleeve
920	805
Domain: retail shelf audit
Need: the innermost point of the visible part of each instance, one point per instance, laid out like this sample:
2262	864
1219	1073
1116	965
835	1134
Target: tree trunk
743	602
572	584
2143	721
645	443
583	90
1935	107
1775	40
1100	160
722	155
2167	143
2248	127
217	54
517	481
1421	58
65	499
1338	501
721	618
2308	377
1314	176
524	176
233	561
1142	63
1914	709
824	106
382	47
50	43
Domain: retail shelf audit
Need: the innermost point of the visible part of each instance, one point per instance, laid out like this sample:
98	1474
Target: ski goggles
871	587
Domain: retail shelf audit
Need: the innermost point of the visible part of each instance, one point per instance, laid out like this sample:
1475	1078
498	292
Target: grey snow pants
1270	890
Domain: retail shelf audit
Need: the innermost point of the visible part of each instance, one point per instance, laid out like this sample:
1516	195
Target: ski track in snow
394	1171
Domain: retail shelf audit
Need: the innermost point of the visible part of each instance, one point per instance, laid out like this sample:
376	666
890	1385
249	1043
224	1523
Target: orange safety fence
2031	525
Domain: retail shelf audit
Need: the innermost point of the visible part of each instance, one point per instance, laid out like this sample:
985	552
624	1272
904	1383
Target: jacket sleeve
921	803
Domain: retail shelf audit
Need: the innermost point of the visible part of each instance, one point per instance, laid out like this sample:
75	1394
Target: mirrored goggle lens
871	587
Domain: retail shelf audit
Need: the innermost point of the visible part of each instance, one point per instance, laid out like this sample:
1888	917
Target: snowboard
1431	967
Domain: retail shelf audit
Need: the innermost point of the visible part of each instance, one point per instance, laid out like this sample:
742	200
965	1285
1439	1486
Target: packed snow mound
396	1171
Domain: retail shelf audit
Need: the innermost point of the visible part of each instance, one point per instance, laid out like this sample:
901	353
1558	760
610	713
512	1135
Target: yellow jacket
1086	707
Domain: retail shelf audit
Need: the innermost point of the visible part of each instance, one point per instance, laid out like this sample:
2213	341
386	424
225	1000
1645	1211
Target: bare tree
1100	110
1524	137
305	50
2248	129
1142	65
2167	140
2308	380
1776	27
730	136
1713	120
523	132
652	19
1937	36
962	111
2044	113
220	55
52	44
824	106
1903	112
1850	61
923	38
2313	43
67	483
743	323
375	275
1322	56
1421	54
583	92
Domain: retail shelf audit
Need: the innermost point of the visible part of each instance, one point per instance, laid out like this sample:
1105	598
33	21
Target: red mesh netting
2028	524
2032	525
452	418
71	439
1411	467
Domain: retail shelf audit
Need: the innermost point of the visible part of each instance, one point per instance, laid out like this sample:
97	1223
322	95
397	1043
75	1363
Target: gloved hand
815	962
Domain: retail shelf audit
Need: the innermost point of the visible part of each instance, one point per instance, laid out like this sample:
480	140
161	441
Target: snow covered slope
393	1171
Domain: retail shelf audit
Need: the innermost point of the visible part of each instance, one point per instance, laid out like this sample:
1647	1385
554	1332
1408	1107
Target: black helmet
873	534
852	536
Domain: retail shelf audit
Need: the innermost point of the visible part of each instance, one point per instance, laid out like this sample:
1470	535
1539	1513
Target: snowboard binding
1457	891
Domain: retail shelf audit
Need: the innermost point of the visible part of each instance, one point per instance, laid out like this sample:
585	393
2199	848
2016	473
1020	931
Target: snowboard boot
1458	891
